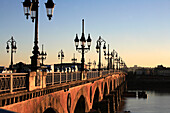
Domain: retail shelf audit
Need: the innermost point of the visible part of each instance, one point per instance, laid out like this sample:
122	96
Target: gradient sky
139	30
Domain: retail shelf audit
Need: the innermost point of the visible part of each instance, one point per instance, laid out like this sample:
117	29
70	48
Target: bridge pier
111	102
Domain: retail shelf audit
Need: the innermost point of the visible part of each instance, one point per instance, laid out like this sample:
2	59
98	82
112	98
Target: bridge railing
10	82
58	77
92	74
62	77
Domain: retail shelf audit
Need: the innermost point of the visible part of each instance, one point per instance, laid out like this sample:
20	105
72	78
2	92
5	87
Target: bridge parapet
10	82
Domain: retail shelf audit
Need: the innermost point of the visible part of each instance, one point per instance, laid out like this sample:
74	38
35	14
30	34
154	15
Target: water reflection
156	102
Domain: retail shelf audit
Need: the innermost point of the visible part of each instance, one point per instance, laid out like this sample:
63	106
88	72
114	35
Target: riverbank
146	82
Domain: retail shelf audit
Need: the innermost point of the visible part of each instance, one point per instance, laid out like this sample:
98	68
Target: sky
139	30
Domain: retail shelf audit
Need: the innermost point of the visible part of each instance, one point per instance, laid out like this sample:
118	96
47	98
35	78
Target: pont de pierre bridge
57	92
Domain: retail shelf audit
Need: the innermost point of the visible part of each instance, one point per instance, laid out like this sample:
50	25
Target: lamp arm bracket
86	50
79	50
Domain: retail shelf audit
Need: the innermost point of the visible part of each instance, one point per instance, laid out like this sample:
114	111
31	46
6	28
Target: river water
156	102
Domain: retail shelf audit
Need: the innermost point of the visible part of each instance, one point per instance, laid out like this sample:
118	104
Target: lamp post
108	57
61	56
43	55
94	63
121	64
115	61
89	64
31	8
113	57
98	49
74	61
13	49
82	49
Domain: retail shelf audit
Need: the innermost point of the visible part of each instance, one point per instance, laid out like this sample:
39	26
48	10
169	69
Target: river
156	102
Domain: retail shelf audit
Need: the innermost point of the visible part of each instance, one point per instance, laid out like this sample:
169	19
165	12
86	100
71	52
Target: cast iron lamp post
13	49
121	64
89	64
82	49
74	61
119	60
61	56
116	61
98	49
31	8
43	55
108	57
113	57
94	64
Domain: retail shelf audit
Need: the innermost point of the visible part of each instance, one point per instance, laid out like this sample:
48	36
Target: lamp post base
35	63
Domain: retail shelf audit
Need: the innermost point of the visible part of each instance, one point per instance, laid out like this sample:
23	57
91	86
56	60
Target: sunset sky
139	30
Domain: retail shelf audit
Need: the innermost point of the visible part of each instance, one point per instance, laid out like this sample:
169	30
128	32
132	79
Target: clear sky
139	30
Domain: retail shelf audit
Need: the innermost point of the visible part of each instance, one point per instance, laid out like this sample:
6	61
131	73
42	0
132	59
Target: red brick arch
110	85
95	86
106	81
48	101
81	92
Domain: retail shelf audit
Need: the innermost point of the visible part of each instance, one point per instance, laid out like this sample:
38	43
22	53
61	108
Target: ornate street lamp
50	8
121	64
94	63
74	61
116	61
113	55
31	8
13	49
98	49
89	64
82	49
108	57
61	56
43	55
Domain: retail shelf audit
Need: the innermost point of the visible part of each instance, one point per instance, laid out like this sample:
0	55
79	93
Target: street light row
82	49
31	8
109	56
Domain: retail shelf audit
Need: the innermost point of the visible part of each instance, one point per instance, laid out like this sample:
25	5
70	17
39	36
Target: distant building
144	71
133	69
67	67
161	70
141	70
25	68
1	68
22	67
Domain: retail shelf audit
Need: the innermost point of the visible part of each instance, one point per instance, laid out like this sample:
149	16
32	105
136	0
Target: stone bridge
71	97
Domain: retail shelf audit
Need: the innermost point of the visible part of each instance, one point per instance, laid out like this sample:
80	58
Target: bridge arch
81	96
110	88
50	110
95	87
114	84
105	90
48	104
80	106
96	99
